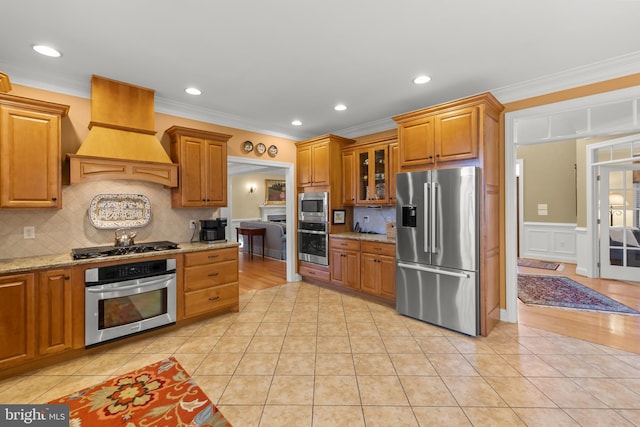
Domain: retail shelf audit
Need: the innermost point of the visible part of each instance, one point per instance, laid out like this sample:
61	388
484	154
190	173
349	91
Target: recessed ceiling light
296	123
420	80
46	50
193	91
340	107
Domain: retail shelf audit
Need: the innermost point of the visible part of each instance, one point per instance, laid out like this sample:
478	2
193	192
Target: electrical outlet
192	224
366	219
29	232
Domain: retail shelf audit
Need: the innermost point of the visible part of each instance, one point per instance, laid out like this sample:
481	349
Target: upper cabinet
30	160
202	159
318	162
444	133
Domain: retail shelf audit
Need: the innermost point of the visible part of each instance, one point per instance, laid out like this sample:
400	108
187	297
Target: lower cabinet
364	265
35	320
211	281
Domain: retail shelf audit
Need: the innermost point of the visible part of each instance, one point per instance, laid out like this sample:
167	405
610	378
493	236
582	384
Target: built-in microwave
313	207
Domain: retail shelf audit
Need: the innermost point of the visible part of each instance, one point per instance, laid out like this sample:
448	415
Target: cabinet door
351	276
387	276
216	173
29	159
320	164
417	142
304	166
17	319
393	170
349	175
337	267
364	192
457	135
378	176
369	273
55	311
192	179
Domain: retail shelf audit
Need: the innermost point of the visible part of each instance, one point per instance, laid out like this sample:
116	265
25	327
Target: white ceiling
261	64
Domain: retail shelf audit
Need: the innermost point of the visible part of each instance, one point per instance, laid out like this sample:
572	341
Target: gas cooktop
105	251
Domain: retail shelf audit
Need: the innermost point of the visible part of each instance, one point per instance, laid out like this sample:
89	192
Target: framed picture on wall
275	192
338	216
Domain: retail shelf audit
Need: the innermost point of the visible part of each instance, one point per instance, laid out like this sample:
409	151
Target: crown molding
367	128
593	73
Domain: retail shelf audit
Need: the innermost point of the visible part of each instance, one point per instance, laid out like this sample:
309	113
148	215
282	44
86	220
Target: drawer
379	248
316	274
206	300
208	257
348	244
206	276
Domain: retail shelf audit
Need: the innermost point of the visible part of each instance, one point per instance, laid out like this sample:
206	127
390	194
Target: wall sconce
252	188
616	205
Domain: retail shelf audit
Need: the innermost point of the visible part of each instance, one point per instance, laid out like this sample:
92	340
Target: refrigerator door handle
433	270
434	224
427	211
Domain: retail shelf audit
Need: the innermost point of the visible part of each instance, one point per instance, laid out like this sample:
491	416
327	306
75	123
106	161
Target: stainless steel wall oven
129	298
313	242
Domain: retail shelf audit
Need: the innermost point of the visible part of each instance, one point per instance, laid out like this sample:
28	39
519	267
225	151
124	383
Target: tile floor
301	355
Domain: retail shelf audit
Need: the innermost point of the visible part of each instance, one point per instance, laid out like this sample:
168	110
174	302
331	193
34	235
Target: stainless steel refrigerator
437	246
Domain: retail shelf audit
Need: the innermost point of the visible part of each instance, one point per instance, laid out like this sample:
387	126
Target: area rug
538	264
161	394
560	291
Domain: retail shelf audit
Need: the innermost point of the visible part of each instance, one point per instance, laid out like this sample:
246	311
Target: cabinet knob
53	199
214	298
67	277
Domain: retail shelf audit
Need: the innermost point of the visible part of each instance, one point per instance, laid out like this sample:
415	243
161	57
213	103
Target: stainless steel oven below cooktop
105	251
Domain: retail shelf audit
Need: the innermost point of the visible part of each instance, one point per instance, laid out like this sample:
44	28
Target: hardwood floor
620	331
614	330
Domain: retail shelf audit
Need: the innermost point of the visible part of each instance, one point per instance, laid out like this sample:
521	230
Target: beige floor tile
384	416
393	329
598	417
219	364
611	392
473	391
286	416
470	345
212	330
519	392
373	364
258	307
257	364
440	416
212	385
381	390
421	329
266	344
332	329
565	393
572	366
140	361
435	345
197	345
492	417
541	345
452	365
29	388
333	345
165	344
334	364
242	415
70	384
106	364
358	316
427	391
491	365
343	416
505	345
296	364
302	329
336	390
242	329
530	365
299	344
362	329
232	344
412	364
190	362
367	345
277	316
246	390
301	315
545	417
133	346
403	344
63	368
251	316
291	390
611	366
632	415
272	329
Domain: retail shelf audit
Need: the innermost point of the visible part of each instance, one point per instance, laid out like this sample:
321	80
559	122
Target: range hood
121	143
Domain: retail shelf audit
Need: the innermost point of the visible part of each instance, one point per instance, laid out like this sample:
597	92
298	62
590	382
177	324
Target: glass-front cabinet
373	175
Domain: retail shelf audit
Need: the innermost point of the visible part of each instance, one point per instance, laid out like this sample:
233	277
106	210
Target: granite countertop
365	237
26	264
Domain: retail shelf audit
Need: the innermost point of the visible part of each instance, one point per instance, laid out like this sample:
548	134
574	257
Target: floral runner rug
161	394
560	291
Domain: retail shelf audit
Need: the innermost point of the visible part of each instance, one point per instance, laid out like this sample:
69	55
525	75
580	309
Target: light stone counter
382	238
26	264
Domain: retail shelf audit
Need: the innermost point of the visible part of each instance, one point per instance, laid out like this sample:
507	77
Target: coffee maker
213	230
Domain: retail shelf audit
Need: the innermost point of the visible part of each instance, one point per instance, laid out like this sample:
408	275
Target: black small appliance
212	230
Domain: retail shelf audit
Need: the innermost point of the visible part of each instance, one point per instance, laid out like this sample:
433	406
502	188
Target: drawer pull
312	272
214	256
377	249
214	298
343	244
213	274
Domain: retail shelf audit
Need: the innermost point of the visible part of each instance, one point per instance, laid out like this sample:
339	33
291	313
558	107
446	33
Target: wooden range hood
121	143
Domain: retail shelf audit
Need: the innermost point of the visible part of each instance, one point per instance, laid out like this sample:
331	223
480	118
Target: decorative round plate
273	150
261	148
248	146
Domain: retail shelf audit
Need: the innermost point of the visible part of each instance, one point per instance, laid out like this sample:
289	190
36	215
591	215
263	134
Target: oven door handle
141	283
312	232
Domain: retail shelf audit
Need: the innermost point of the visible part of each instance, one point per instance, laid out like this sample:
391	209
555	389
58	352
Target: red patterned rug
538	264
560	291
161	394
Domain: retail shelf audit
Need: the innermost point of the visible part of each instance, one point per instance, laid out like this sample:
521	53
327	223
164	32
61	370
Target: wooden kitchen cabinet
378	269
345	262
30	146
18	336
373	175
202	159
211	281
55	311
349	174
394	167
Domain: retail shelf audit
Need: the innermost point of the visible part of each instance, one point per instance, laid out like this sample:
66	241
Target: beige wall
549	178
245	204
58	231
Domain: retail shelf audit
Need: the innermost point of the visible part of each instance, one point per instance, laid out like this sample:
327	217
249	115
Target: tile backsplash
59	230
378	218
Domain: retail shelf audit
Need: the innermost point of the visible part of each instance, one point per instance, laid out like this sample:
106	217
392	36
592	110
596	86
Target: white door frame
292	275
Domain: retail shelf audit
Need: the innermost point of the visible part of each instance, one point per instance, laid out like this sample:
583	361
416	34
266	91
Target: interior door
619	195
